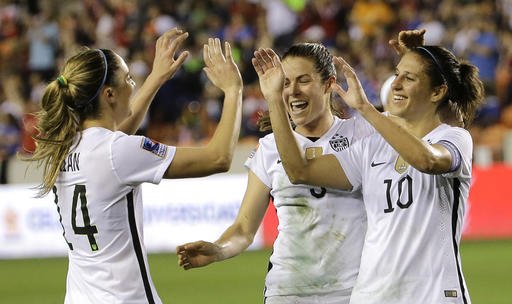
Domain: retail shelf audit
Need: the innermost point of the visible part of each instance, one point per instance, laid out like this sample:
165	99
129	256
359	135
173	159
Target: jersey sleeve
350	161
256	163
138	159
462	141
362	128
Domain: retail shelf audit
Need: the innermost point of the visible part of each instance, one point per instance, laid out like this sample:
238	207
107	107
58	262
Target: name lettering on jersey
401	165
450	293
71	163
154	147
312	152
339	142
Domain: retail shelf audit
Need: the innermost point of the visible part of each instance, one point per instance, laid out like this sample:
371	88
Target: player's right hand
197	254
164	64
270	72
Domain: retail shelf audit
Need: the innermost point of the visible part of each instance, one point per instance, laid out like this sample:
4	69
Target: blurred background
37	36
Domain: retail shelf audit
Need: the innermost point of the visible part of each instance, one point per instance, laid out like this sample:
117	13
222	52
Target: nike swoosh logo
373	164
279	161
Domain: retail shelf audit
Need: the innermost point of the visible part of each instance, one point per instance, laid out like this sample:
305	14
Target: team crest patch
339	142
313	152
401	165
154	147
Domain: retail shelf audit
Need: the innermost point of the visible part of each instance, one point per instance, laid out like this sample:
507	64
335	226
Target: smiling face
412	93
307	97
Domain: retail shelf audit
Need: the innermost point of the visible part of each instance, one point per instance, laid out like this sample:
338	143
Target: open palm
270	72
220	67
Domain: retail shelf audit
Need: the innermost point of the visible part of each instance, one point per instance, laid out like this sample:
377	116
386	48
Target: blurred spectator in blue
483	51
43	39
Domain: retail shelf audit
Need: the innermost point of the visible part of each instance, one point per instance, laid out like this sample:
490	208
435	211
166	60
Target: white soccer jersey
411	251
99	201
321	231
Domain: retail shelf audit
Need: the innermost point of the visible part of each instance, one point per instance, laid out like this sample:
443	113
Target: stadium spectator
119	25
43	39
87	159
414	175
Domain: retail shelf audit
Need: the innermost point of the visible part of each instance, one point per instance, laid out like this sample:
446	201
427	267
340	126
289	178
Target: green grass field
487	267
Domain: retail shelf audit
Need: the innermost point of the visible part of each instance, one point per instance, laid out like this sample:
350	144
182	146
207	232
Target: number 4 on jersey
87	229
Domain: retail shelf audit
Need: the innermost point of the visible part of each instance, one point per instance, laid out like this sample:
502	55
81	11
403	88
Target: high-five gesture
270	72
216	156
220	67
165	65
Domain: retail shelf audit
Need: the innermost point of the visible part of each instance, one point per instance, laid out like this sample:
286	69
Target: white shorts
340	297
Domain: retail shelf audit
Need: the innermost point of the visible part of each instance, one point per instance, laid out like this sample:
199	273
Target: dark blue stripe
456	199
138	249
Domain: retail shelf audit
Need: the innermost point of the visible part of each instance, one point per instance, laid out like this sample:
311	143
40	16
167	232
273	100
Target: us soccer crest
401	165
339	142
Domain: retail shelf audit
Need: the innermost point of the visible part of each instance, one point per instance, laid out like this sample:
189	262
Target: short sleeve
350	161
462	141
362	128
138	159
256	163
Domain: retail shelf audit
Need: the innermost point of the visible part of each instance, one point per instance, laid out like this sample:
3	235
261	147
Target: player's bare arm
216	156
297	167
165	66
237	237
433	159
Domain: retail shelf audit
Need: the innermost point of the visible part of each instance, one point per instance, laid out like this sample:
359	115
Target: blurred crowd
37	36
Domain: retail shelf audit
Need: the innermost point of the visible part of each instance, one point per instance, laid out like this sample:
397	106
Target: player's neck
423	126
317	128
101	123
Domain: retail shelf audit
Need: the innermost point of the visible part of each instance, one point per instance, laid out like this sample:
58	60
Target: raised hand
407	40
220	67
354	96
270	72
197	254
164	64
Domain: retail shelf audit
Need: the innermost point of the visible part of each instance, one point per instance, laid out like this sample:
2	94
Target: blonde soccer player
95	169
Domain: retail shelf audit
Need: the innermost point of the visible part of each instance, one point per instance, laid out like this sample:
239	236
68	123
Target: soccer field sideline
487	266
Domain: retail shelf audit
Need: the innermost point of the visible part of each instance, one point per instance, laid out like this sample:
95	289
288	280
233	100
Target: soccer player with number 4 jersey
95	170
414	173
